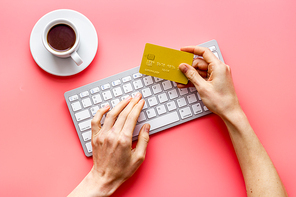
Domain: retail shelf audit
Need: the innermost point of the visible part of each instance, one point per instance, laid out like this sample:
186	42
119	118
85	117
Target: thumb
96	121
192	74
143	139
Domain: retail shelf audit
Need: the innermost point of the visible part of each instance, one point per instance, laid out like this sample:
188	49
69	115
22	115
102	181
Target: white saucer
64	66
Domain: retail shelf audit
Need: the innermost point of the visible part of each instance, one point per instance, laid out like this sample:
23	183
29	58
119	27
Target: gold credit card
164	63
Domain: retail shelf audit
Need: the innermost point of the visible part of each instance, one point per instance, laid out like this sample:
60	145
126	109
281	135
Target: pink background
40	154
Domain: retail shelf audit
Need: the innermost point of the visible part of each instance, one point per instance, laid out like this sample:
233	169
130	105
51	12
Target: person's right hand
212	79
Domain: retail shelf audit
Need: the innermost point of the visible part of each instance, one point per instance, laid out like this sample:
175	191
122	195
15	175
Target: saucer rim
38	25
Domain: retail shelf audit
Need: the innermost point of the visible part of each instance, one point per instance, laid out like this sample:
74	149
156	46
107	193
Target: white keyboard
166	105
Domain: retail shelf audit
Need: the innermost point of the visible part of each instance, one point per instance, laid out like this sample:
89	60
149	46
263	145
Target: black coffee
61	37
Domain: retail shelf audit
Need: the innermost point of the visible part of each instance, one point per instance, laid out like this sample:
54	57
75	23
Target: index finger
96	121
131	120
207	55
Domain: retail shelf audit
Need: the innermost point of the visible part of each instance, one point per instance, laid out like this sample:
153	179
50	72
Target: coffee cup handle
77	59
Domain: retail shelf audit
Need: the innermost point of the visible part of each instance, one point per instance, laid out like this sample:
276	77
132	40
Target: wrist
93	185
234	117
237	122
100	186
231	115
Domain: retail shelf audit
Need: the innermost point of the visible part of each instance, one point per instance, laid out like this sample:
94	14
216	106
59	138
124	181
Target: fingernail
147	128
107	106
183	68
128	98
141	101
138	95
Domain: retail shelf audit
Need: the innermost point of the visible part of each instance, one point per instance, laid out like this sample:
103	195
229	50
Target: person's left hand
113	157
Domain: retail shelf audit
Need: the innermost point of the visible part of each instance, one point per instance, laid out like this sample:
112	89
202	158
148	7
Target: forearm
260	175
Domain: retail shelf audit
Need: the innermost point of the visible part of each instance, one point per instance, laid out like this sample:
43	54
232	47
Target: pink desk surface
40	154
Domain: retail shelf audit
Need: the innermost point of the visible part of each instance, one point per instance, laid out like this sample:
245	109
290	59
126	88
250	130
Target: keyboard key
84	94
105	86
216	54
97	98
150	113
156	88
171	105
86	102
86	136
191	98
181	102
146	92
138	84
212	48
116	82
173	94
124	97
192	89
85	125
145	105
183	91
126	79
82	115
117	91
127	88
104	104
157	79
134	94
88	147
158	122
141	117
94	90
185	112
148	80
161	109
166	85
107	95
162	98
196	108
205	108
73	98
94	110
76	106
152	101
103	119
137	75
198	96
115	102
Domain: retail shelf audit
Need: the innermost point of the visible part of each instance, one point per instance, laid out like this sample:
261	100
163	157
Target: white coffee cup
61	38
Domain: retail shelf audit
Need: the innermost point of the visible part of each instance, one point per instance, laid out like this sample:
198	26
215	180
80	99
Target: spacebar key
158	122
